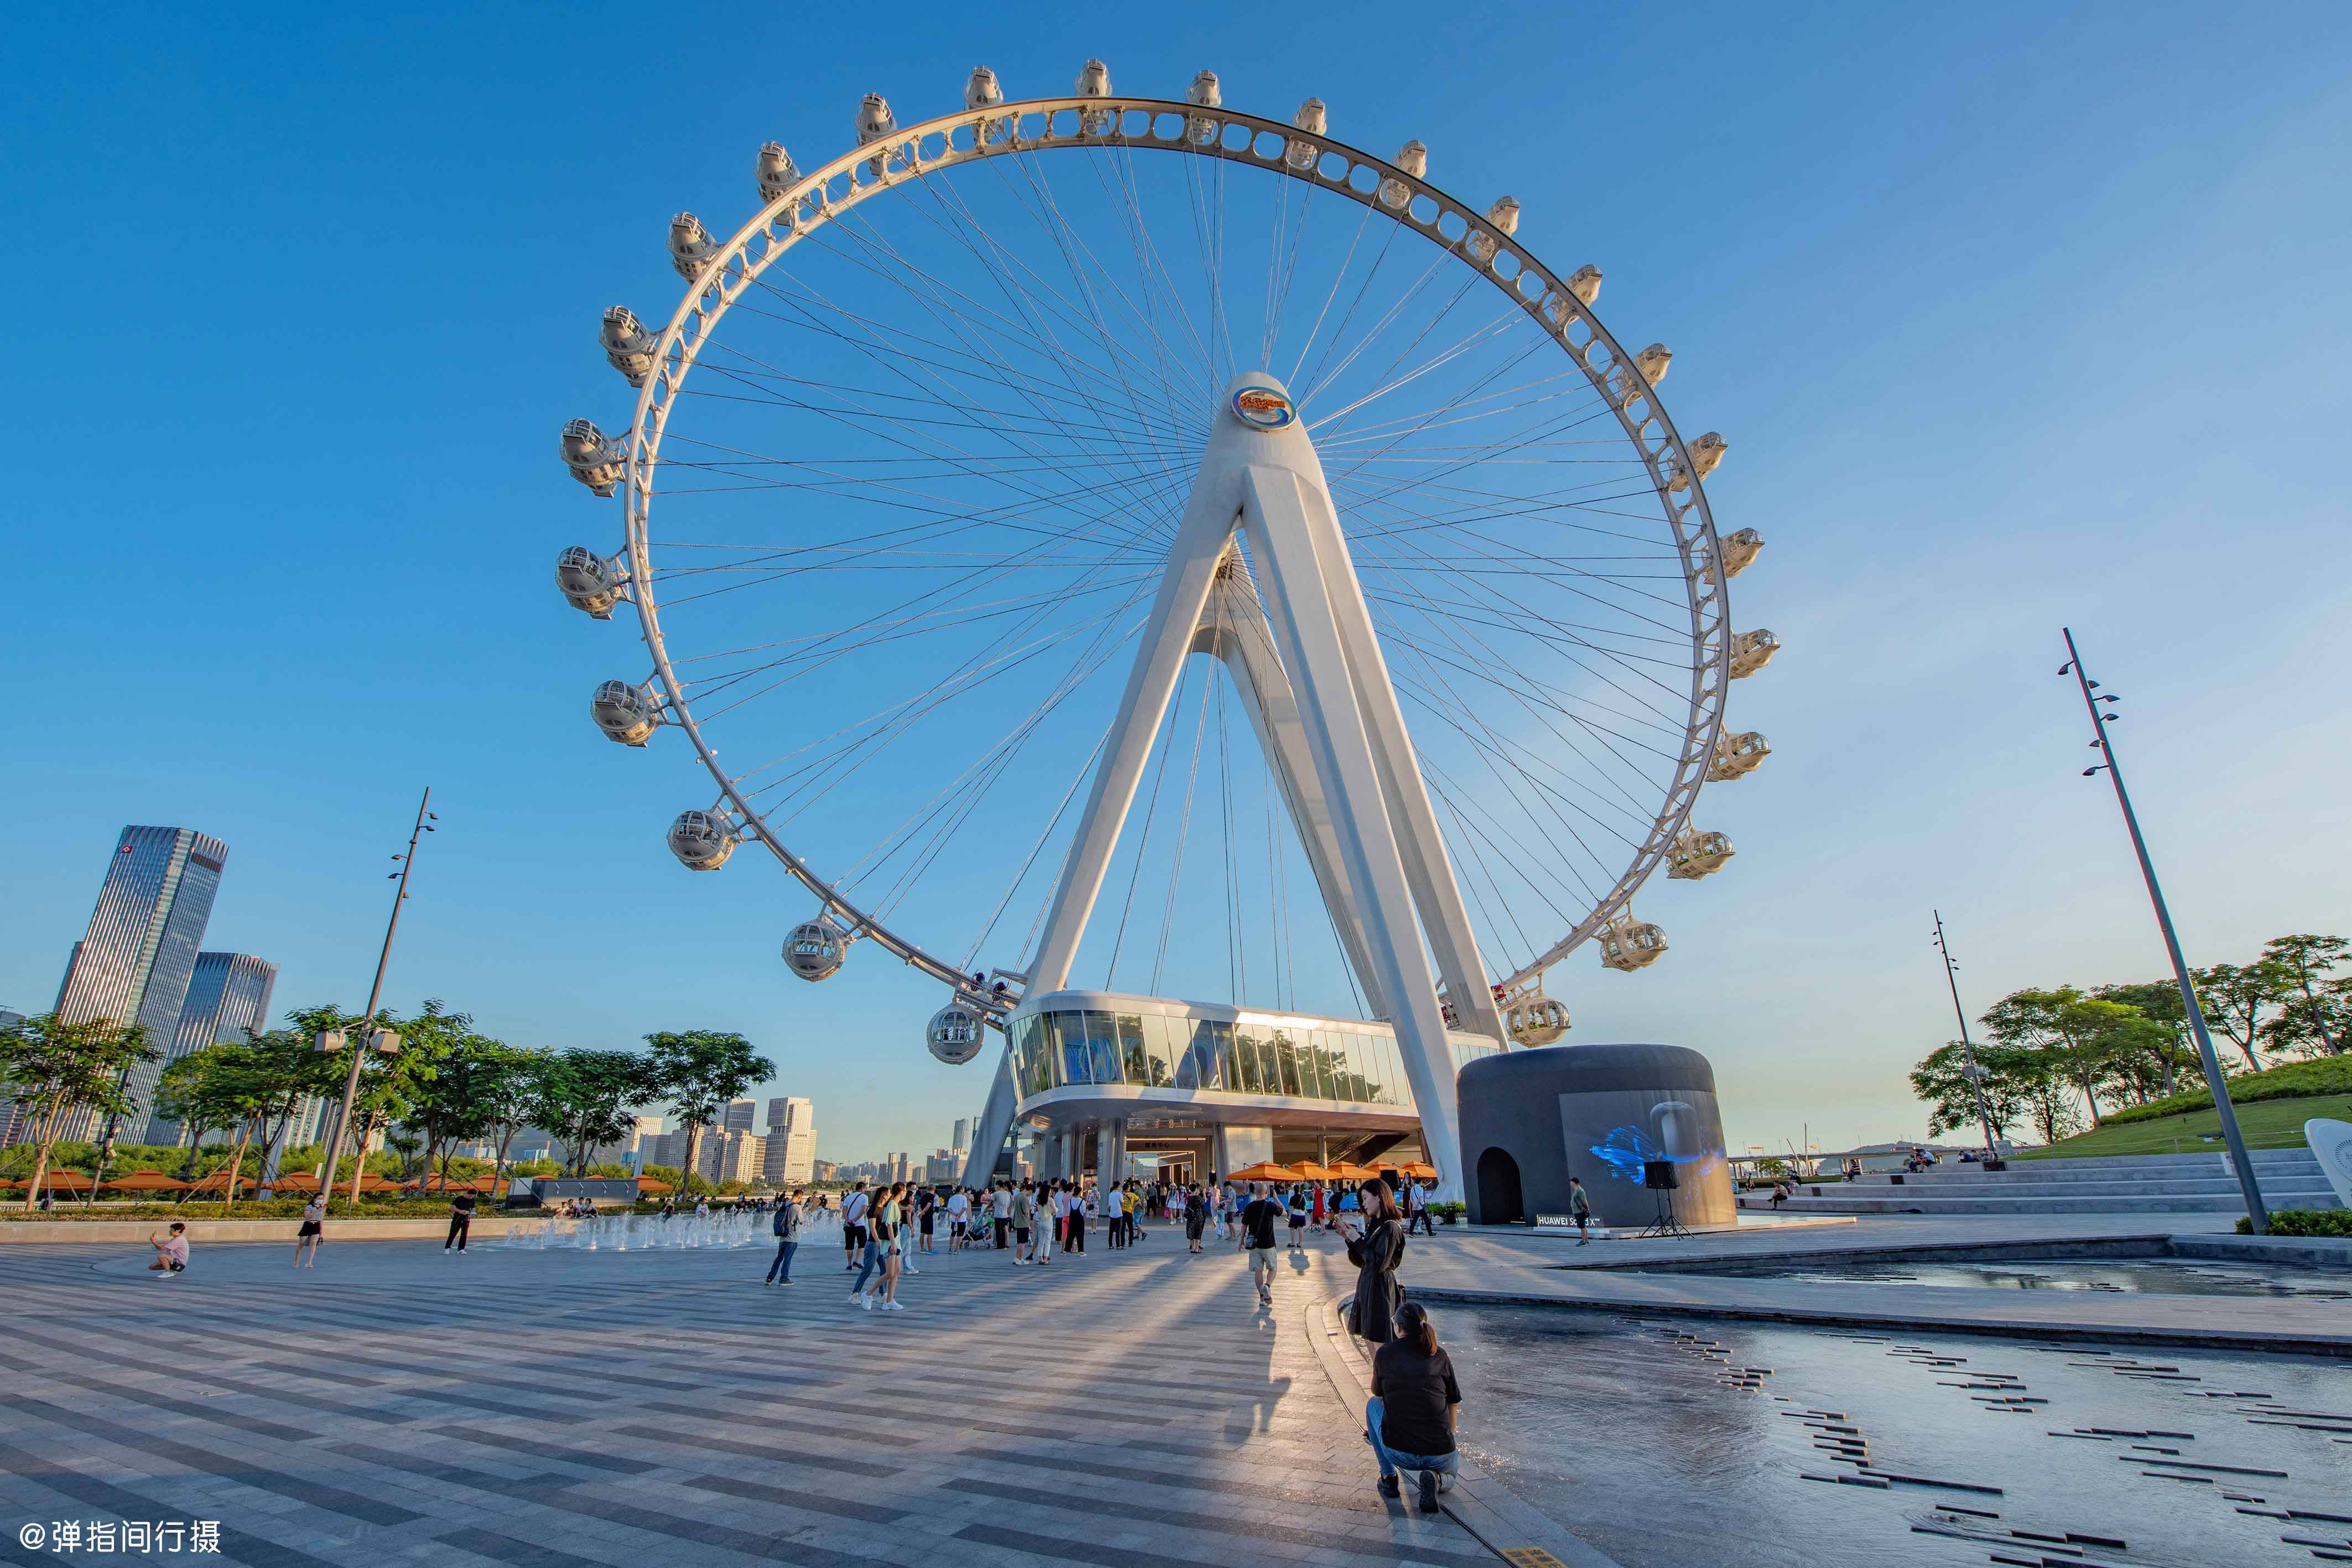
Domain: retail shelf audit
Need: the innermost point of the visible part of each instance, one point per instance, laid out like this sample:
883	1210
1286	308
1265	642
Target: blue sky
2014	318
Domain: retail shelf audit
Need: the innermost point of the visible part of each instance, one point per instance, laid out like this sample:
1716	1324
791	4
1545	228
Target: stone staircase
2145	1184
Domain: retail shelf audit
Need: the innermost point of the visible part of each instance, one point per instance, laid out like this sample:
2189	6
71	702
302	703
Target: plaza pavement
557	1409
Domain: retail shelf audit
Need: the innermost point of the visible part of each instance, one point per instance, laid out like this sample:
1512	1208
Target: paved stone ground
572	1410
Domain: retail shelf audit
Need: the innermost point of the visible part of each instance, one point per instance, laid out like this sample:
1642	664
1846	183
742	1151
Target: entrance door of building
1499	1202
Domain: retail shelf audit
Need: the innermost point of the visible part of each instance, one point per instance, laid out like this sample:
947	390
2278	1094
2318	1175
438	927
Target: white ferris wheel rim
825	193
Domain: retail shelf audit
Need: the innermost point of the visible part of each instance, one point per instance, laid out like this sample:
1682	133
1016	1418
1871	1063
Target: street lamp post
2255	1211
1974	1074
360	1047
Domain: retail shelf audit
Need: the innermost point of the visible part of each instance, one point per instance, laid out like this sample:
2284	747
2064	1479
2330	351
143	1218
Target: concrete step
2214	1155
1896	1203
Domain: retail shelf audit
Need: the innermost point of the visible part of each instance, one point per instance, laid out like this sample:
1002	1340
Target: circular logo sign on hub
1263	408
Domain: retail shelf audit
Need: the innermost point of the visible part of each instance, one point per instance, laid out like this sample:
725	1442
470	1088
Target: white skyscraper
791	1141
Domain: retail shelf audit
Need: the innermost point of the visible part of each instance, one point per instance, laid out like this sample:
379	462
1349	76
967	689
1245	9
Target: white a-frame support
1304	655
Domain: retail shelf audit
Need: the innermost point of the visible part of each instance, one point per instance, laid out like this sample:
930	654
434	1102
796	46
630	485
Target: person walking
1196	1214
1258	1219
1580	1209
959	1211
882	1221
1081	1206
1297	1206
461	1221
1023	1212
1000	1213
853	1227
1415	1405
926	1206
1322	1200
869	1249
314	1230
1376	1252
1417	1214
787	1229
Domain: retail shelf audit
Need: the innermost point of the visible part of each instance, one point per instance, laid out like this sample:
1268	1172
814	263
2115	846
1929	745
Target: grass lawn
2267	1124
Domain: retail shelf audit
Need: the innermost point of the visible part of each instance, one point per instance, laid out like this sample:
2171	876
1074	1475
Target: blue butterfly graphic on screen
1627	1148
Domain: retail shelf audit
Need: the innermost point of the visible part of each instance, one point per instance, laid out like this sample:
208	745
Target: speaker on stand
1659	1178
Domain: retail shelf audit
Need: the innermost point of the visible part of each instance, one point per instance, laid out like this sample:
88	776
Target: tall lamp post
328	1041
2092	698
1971	1071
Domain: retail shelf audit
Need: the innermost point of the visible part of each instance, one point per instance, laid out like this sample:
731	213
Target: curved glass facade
1344	1062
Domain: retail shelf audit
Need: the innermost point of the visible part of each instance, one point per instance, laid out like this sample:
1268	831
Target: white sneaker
855	1297
892	1307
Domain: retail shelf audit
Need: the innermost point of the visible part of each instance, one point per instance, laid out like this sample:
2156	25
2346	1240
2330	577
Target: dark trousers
1076	1242
1421	1220
783	1264
1004	1228
458	1224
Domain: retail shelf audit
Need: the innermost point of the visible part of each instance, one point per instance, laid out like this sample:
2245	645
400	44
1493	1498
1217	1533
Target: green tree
588	1097
509	1098
185	1094
1941	1079
56	1068
2077	1035
2307	961
700	1071
2239	999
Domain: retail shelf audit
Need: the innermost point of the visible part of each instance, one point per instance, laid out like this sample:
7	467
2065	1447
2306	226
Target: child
170	1253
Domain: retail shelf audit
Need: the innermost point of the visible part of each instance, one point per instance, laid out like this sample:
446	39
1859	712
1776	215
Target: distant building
736	1115
824	1170
9	1114
792	1142
135	963
732	1156
228	994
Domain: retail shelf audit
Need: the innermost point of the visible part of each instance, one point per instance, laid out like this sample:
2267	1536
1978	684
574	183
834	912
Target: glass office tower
135	963
228	994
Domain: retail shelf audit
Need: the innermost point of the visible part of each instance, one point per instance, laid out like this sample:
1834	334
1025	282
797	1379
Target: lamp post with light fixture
1970	1070
371	1037
2258	1215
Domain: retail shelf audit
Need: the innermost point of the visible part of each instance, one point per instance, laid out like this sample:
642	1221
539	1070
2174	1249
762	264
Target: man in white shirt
959	1209
853	1226
1000	1209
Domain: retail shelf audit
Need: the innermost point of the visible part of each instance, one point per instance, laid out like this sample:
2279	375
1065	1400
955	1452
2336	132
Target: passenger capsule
586	583
1652	362
1705	454
1481	244
874	123
773	168
956	1033
1412	158
1535	1019
1094	81
594	458
1696	854
1737	756
1585	283
1299	152
1627	944
1740	549
690	245
1751	650
815	949
1203	94
627	345
624	712
701	840
982	92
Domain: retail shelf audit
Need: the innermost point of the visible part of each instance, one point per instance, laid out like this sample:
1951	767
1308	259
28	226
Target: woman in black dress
1376	1254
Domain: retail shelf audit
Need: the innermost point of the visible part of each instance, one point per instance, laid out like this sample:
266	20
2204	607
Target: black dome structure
1610	1114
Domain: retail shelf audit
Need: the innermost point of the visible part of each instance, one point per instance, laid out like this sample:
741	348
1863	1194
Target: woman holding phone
1375	1251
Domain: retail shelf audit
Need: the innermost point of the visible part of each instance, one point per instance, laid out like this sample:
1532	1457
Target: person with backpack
1415	1404
853	1227
787	1229
1258	1218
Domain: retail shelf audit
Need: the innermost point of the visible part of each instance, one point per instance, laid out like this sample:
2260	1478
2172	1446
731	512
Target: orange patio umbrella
1313	1172
147	1181
65	1181
218	1182
653	1184
1343	1171
1419	1170
300	1181
1265	1170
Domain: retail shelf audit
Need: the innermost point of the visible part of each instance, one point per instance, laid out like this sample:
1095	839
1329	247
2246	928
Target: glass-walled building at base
1102	1078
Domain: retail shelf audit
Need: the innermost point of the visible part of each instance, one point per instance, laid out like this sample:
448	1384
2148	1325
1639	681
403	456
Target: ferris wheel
905	467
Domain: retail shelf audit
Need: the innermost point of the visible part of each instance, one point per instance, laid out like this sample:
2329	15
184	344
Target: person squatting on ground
1259	1217
787	1227
170	1251
1411	1417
